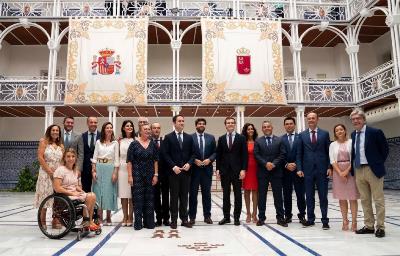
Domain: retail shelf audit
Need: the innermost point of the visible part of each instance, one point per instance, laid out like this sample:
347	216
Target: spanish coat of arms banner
242	62
107	61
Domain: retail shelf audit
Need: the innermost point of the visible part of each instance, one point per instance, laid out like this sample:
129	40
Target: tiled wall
15	155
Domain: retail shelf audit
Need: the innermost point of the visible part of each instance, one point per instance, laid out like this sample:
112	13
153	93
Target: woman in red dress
250	183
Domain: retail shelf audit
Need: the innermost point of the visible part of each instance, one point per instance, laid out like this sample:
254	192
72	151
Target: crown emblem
106	52
243	51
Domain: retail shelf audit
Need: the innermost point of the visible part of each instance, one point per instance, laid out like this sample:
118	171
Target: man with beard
202	171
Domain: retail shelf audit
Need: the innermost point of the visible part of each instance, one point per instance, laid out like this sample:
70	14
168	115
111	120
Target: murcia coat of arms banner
242	62
107	61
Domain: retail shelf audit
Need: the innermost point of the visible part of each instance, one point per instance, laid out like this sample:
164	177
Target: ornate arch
330	28
22	24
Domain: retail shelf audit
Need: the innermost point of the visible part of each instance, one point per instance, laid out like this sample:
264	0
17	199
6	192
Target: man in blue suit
369	152
290	177
202	171
89	141
313	164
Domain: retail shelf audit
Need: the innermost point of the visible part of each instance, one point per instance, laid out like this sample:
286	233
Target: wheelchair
69	215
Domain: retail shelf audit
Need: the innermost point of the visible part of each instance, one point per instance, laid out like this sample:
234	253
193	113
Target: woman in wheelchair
65	181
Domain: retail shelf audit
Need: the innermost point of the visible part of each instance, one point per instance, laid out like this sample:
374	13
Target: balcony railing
333	10
162	90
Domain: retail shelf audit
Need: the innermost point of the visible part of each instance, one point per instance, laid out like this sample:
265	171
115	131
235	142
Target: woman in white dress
105	164
124	189
50	154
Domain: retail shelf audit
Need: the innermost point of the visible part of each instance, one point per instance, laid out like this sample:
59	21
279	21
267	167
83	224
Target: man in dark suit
161	189
269	152
369	152
231	161
178	152
313	164
202	171
290	177
88	139
70	139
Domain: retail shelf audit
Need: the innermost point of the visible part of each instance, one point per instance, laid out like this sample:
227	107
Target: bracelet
156	174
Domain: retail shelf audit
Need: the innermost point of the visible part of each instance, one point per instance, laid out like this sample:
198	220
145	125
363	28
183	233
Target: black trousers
161	199
276	184
179	185
290	180
226	181
86	179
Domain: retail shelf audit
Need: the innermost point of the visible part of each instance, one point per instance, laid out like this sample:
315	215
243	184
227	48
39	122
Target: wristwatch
156	174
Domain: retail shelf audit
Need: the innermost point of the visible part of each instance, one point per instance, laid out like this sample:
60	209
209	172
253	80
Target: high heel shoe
353	226
248	219
255	218
345	225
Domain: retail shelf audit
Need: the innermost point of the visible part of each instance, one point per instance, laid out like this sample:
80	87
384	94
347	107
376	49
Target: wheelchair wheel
59	218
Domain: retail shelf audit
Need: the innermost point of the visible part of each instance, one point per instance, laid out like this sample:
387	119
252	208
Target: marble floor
19	235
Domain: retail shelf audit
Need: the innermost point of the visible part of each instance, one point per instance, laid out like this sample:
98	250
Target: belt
103	160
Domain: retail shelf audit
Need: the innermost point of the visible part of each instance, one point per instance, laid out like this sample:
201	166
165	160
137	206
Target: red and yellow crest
243	61
106	64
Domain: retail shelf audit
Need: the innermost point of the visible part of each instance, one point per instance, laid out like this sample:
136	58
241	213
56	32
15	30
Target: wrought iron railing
334	10
377	81
334	91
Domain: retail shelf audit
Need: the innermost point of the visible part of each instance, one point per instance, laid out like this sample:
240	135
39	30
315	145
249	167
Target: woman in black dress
142	159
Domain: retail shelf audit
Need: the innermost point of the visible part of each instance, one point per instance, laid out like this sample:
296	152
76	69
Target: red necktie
313	137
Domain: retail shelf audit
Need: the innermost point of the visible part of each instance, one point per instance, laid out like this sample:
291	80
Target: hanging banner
107	61
242	62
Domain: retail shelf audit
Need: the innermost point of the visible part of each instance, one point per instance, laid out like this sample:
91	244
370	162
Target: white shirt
233	137
266	139
104	151
363	158
316	133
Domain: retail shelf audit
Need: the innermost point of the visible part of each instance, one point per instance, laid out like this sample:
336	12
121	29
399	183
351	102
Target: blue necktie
201	146
180	140
269	141
357	160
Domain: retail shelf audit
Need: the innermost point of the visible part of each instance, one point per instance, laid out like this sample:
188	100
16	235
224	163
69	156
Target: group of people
158	179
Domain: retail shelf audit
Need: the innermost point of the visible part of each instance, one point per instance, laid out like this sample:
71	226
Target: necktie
313	137
92	141
157	141
291	140
201	146
66	140
357	160
180	139
269	143
230	141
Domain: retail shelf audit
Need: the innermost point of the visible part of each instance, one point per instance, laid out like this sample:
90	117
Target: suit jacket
291	154
376	150
233	160
310	156
274	153
87	153
175	156
162	166
209	151
77	144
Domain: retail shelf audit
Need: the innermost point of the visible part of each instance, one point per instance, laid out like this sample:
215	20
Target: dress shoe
380	233
236	222
166	223
260	223
302	220
192	221
158	223
288	220
325	226
208	220
224	221
186	224
281	222
173	225
365	230
308	223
